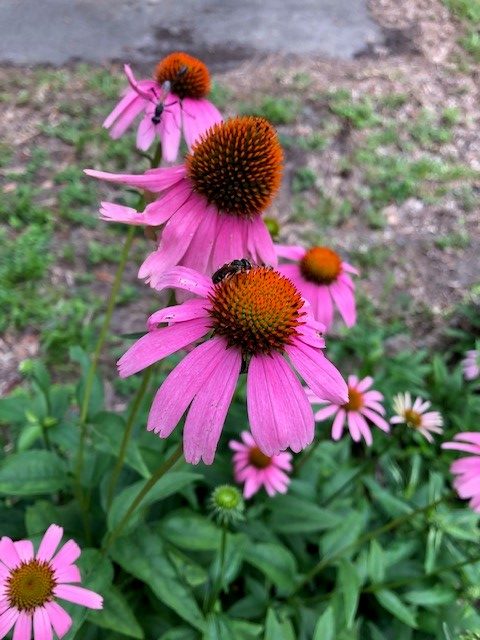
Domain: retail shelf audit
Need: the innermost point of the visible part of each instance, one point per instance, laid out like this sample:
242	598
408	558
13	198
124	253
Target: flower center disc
30	585
321	265
258	459
237	165
355	400
257	311
413	418
188	76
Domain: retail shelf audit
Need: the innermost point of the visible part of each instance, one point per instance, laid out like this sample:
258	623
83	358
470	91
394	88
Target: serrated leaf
392	603
275	562
349	587
116	615
143	556
325	627
32	473
171	483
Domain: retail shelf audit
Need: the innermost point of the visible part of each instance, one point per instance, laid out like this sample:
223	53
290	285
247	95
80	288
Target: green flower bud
227	505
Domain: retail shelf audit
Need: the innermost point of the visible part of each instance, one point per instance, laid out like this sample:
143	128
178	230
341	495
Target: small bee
230	269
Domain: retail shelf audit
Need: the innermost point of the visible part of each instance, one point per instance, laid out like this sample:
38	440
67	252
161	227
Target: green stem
151	482
393	524
218	584
137	402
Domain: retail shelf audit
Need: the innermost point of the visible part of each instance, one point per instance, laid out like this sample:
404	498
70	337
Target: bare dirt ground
419	250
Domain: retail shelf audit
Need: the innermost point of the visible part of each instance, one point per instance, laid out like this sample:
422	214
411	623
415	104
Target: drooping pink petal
228	244
322	304
42	629
198	255
279	413
364	429
59	618
23	627
198	116
291	252
78	595
160	343
209	408
338	425
170	129
182	384
147	89
260	242
320	374
376	419
353	426
154	180
348	267
145	133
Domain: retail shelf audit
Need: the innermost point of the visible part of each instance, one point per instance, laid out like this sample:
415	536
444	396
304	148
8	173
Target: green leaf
436	595
349	587
325	628
191	531
116	615
32	473
218	628
180	633
392	506
168	485
392	603
28	436
12	410
142	555
40	515
108	432
376	562
275	562
276	629
308	517
345	534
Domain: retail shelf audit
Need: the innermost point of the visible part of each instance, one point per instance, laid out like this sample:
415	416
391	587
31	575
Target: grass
468	13
278	110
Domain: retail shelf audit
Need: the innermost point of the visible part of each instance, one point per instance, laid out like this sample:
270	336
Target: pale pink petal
321	302
311	335
7	620
179	198
291	252
159	343
209	408
78	595
189	310
365	384
182	384
345	301
111	212
154	180
338	425
293	273
68	554
353	426
25	550
198	116
469	436
147	89
125	113
319	373
364	429
68	573
376	419
279	413
228	244
23	627
248	439
49	543
59	618
186	279
348	267
199	252
261	241
170	129
42	628
326	412
145	133
252	486
8	553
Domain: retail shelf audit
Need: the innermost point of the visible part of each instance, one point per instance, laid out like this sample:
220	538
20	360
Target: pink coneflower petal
49	543
326	412
8	553
142	88
59	618
291	252
154	180
68	554
275	400
364	429
209	407
413	414
198	116
186	279
376	419
78	595
338	424
170	131
145	133
159	343
188	310
322	303
344	299
42	627
25	550
309	362
68	573
181	385
262	242
7	620
178	198
353	426
199	253
23	627
365	384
